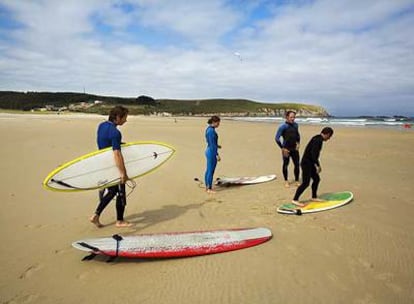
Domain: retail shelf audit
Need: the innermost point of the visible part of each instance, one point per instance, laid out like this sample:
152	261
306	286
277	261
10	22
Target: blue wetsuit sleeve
278	135
116	140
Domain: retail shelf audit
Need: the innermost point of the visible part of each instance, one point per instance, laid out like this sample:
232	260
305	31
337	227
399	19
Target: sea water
387	122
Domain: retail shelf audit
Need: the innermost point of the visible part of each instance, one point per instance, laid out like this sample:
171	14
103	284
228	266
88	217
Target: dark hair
117	111
327	131
289	112
213	118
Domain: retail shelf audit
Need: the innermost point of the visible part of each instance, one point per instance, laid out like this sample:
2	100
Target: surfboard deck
97	170
178	244
331	201
247	180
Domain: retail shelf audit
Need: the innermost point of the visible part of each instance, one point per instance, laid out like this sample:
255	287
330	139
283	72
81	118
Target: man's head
327	133
118	115
290	116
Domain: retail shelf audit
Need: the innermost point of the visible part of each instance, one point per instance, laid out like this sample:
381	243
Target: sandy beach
360	253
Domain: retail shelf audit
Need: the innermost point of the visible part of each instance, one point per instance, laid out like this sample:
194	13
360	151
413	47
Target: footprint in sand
29	271
82	276
387	277
38	226
23	299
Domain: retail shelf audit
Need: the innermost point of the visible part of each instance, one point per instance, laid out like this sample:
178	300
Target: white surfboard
178	244
98	170
228	181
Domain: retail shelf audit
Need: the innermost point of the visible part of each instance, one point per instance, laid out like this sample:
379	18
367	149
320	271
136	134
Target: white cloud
348	56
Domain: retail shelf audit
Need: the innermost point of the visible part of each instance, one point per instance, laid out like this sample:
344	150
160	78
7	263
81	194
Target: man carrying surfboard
109	136
289	130
211	152
311	166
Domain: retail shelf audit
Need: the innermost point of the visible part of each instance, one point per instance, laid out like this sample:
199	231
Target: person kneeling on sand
310	165
110	136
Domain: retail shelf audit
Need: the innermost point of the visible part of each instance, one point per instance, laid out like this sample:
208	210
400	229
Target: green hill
90	103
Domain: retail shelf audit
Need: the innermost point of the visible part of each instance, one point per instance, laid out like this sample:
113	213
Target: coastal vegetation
89	103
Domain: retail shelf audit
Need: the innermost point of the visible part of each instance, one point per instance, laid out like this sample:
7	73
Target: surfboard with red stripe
178	244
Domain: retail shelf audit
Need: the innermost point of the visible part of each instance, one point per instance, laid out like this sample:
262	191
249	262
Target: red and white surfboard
179	244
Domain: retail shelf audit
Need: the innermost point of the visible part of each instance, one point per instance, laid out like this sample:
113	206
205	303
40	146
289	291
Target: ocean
378	122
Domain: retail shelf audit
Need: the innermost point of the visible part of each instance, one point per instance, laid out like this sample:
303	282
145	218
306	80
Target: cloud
349	56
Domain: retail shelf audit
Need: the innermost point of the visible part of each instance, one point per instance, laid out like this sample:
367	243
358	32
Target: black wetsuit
310	160
291	137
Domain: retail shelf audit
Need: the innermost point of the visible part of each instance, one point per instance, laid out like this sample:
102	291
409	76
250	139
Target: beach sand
360	253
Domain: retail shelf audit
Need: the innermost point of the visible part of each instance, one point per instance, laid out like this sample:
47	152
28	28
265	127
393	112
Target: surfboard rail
49	180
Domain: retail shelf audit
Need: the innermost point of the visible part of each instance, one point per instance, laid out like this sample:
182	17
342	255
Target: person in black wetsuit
311	166
290	146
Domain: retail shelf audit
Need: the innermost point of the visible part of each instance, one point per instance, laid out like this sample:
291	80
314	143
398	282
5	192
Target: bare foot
123	224
95	220
297	203
210	191
287	184
297	184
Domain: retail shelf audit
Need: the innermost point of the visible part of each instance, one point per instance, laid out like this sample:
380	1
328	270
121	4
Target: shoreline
319	122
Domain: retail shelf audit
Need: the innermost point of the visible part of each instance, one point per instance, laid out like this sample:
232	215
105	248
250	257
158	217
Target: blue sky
352	57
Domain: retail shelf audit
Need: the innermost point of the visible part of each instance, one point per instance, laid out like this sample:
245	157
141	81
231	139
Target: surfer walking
311	166
211	152
289	131
108	135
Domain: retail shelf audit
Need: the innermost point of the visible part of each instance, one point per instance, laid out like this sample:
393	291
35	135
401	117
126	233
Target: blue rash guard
290	134
109	136
211	155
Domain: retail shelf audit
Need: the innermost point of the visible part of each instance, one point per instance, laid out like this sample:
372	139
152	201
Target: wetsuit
310	160
110	136
211	155
291	137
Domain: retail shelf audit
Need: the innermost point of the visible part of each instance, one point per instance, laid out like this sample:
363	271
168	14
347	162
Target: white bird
238	55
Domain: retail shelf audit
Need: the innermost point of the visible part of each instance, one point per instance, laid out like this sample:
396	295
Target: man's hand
218	158
285	152
297	146
124	178
318	169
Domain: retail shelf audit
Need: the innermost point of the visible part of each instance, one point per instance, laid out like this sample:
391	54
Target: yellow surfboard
98	170
330	201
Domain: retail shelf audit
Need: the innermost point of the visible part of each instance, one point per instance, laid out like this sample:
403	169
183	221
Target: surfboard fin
89	257
111	259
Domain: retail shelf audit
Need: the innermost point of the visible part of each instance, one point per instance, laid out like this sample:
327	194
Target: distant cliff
66	101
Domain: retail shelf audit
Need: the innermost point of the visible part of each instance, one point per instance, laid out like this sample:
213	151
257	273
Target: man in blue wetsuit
109	136
290	146
211	152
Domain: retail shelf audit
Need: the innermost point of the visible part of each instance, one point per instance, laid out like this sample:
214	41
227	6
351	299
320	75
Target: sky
353	57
